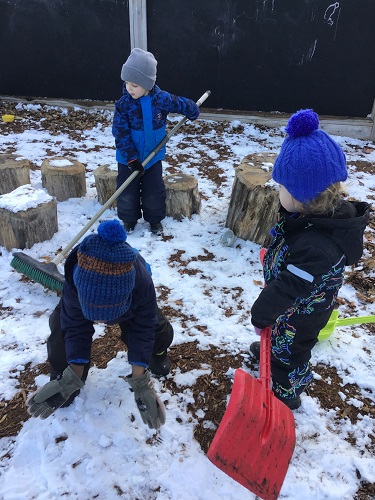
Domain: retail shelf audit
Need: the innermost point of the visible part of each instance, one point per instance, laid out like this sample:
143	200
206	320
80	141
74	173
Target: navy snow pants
145	195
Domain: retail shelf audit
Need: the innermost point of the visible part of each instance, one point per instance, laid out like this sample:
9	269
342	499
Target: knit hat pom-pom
302	123
112	232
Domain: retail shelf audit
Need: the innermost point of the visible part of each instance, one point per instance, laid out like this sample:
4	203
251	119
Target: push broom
47	274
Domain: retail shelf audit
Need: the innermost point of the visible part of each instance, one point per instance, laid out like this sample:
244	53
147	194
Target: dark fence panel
71	49
258	55
267	55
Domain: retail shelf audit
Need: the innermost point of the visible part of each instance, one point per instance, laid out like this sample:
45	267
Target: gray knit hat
140	68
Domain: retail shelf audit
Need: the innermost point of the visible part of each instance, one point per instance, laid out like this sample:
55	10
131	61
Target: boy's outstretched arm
184	106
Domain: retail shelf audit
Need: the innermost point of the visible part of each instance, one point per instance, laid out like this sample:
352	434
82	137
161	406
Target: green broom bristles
45	274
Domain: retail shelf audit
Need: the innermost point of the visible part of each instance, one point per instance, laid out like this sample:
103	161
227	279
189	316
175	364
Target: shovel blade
255	441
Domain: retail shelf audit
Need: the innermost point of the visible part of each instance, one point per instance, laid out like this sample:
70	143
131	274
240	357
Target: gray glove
54	394
150	407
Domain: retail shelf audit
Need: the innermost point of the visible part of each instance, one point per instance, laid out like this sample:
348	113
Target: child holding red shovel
318	234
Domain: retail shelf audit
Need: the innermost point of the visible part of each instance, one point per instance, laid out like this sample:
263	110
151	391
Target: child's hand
54	394
150	406
193	115
136	166
258	331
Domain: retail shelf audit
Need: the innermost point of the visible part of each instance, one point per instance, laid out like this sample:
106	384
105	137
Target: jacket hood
345	227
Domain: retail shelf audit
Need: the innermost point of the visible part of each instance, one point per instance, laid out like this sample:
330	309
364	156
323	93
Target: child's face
135	90
286	199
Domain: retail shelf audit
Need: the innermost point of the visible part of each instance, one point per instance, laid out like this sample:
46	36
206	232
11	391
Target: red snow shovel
255	440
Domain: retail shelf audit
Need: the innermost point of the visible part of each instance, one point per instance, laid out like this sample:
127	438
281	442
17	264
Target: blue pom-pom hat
309	160
104	275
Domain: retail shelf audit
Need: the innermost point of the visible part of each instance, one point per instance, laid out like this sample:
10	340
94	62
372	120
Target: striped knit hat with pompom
104	275
310	160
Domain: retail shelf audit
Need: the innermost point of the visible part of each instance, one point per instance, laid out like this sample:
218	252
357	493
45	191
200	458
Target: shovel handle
61	256
355	321
265	378
265	358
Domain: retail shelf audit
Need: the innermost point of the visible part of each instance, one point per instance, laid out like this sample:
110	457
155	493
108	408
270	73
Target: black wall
71	49
259	55
268	55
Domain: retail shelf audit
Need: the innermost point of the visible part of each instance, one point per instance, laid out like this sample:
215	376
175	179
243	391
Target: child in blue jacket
139	124
106	280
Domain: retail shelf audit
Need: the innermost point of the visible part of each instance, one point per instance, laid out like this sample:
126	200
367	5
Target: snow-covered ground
95	448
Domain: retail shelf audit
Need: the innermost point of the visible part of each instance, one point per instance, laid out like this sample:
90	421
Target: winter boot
255	350
159	364
129	226
292	403
156	228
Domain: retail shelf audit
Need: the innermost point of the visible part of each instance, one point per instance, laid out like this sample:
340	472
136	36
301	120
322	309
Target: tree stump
14	172
254	202
183	197
27	216
105	182
64	178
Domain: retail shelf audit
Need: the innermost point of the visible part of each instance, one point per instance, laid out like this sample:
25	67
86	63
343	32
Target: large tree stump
27	216
254	202
14	172
183	197
64	178
105	182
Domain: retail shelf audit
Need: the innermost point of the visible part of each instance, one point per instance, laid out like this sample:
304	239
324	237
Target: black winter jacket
304	268
140	320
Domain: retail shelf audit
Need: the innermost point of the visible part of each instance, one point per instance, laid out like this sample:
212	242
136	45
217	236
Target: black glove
150	407
136	166
52	395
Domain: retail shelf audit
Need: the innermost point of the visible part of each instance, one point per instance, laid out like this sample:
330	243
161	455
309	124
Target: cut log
14	172
64	178
254	202
105	182
183	197
21	226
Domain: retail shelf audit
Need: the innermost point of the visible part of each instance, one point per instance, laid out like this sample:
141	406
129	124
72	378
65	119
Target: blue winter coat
140	320
140	124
